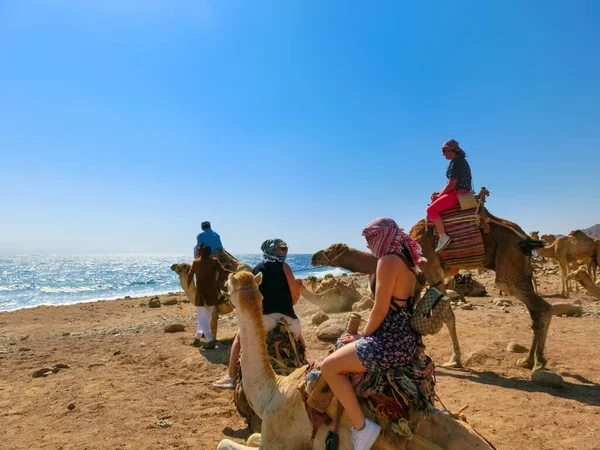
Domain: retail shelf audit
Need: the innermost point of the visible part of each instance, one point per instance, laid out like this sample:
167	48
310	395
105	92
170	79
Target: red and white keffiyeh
384	236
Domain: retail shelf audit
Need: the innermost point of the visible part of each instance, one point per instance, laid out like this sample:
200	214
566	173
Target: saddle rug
390	397
465	250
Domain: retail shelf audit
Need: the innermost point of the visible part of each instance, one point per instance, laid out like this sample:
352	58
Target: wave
335	271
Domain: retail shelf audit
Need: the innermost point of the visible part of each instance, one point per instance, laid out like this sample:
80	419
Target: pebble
154	303
71	406
467	306
547	379
319	317
42	372
513	347
175	328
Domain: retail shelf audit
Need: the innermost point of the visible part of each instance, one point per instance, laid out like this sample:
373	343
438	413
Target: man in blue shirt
210	238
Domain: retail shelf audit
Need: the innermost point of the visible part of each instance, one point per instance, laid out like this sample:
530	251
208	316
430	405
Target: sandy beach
130	385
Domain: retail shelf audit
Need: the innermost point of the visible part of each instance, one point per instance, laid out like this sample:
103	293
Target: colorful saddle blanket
390	397
465	250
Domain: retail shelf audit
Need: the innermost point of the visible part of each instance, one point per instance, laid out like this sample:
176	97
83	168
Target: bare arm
387	271
294	288
449	187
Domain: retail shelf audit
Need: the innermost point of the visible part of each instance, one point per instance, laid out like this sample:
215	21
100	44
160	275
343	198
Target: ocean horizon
29	280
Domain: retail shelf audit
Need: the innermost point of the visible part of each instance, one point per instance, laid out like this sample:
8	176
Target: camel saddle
465	250
388	398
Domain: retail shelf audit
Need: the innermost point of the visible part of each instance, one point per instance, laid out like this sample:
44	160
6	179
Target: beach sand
130	385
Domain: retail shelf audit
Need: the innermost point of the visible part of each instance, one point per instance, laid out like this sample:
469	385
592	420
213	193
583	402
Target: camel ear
258	278
231	282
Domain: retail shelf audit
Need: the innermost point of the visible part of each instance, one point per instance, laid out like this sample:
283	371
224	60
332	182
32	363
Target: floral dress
393	344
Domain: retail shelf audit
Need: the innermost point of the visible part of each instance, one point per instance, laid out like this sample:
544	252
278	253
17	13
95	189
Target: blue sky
124	124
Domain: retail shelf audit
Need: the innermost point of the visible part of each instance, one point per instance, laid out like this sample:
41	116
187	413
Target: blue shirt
210	238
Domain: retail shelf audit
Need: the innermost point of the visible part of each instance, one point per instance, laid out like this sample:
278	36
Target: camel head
535	235
243	289
179	269
327	256
549	238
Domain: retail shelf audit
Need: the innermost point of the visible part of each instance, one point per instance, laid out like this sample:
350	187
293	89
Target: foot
225	382
526	363
196	342
210	345
454	363
365	438
443	242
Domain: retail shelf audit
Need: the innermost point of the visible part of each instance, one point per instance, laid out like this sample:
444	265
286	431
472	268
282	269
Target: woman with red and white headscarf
387	341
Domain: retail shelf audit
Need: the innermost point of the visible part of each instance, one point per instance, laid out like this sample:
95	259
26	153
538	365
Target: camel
332	295
549	238
576	246
229	262
278	401
581	276
507	252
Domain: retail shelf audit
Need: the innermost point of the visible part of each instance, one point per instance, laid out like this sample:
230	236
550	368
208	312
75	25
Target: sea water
31	280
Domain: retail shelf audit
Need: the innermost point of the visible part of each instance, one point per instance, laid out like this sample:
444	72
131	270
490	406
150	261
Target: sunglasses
447	150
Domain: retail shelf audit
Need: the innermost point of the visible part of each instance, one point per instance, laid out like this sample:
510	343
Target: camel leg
227	444
541	315
214	321
455	360
563	274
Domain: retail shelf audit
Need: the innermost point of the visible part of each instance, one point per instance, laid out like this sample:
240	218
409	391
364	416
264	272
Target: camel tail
528	245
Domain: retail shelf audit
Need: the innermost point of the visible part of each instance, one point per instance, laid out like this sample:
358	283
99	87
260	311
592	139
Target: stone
170	301
502	302
24	349
117	353
24	338
364	304
547	379
467	306
66	333
310	312
71	406
513	347
42	372
163	423
175	328
319	317
567	309
61	366
154	303
332	328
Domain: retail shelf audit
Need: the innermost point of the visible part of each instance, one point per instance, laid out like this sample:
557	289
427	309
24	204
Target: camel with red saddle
506	250
279	403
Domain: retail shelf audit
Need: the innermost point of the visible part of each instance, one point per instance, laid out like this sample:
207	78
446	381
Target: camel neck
259	379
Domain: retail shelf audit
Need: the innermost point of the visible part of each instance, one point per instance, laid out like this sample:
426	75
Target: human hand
435	196
346	338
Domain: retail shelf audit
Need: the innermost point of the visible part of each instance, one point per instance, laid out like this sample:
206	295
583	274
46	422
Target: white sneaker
443	242
365	438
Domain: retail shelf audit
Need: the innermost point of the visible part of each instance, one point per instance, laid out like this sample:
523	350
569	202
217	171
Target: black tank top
275	289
